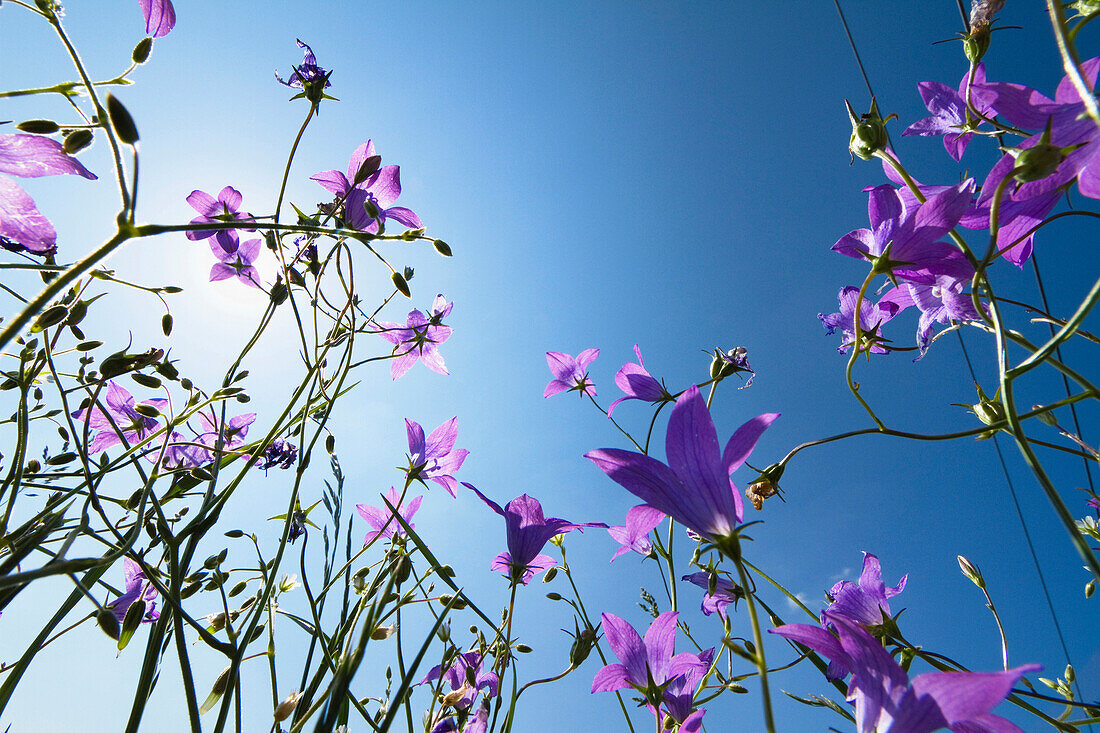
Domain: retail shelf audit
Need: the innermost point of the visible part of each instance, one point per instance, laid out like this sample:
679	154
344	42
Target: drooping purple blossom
236	264
225	208
634	536
31	156
734	361
725	593
160	17
118	416
381	519
950	116
528	530
418	338
570	373
368	203
307	73
138	588
435	458
466	667
886	700
278	453
940	303
865	602
871	317
637	383
694	487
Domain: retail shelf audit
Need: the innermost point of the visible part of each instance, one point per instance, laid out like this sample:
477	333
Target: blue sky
670	175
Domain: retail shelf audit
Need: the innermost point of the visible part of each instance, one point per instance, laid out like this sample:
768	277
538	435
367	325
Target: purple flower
418	338
382	521
725	593
307	74
528	530
435	459
871	317
280	453
865	603
465	674
212	211
570	374
119	417
650	667
232	433
640	521
734	361
1093	502
30	156
236	264
884	697
950	117
637	383
160	17
137	588
694	488
940	303
368	203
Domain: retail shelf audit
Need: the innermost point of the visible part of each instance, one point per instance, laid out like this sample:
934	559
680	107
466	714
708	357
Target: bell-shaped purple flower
866	602
306	74
435	458
634	536
725	593
694	487
949	112
871	317
119	416
138	588
638	384
160	17
569	373
465	674
368	203
418	339
382	521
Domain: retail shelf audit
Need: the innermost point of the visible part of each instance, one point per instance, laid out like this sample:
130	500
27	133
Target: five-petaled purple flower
225	208
871	317
307	74
528	530
640	521
694	487
435	458
637	383
571	374
950	116
30	156
138	588
865	603
119	420
236	264
278	453
368	203
381	519
418	338
886	700
725	593
465	674
160	17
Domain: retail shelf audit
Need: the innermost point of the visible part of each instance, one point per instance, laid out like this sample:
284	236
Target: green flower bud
868	132
400	283
105	619
1037	162
976	43
582	646
121	120
442	247
77	140
142	50
38	127
971	571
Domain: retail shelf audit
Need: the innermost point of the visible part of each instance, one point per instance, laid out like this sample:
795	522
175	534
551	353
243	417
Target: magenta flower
382	521
528	530
30	156
368	203
119	417
950	117
418	339
160	17
694	488
435	459
137	588
725	593
886	700
225	208
637	383
569	373
307	74
640	521
237	264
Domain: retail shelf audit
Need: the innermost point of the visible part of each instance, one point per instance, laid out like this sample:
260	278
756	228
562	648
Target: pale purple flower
418	339
232	433
640	521
867	602
381	519
31	156
528	530
138	588
725	593
118	417
887	701
637	383
871	317
1093	502
694	488
377	192
307	73
225	208
160	17
466	667
569	373
237	264
950	117
940	303
435	458
278	453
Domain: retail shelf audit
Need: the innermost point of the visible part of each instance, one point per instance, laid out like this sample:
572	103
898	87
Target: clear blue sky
670	175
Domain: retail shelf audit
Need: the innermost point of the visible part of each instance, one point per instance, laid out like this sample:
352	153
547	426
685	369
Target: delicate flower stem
758	639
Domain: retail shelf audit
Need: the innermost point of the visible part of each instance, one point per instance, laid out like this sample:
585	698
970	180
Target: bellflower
231	433
465	667
279	453
418	339
120	411
225	208
31	156
887	701
435	459
137	588
865	603
871	317
377	192
638	384
236	264
950	117
640	521
694	487
382	521
160	17
306	74
528	530
940	303
569	373
725	593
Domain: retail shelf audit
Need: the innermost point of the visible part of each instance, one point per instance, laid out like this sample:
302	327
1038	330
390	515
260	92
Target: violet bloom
871	317
638	384
528	530
232	434
160	17
31	156
119	417
694	488
237	264
368	203
307	74
943	302
418	338
382	521
278	453
138	588
725	593
569	373
865	603
465	674
225	208
640	521
887	701
435	459
950	116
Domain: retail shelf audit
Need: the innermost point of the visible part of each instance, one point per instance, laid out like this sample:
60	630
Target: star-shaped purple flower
637	383
640	521
694	488
382	521
569	373
871	317
725	593
237	264
138	587
120	411
865	603
307	73
466	674
368	203
435	459
418	338
225	208
160	17
950	117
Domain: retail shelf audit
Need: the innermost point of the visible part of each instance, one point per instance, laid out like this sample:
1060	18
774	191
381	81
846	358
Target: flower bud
77	140
383	632
121	120
582	646
442	247
1037	162
142	50
971	571
1069	675
220	686
1090	588
286	707
106	620
550	575
868	132
976	43
131	622
400	283
38	127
